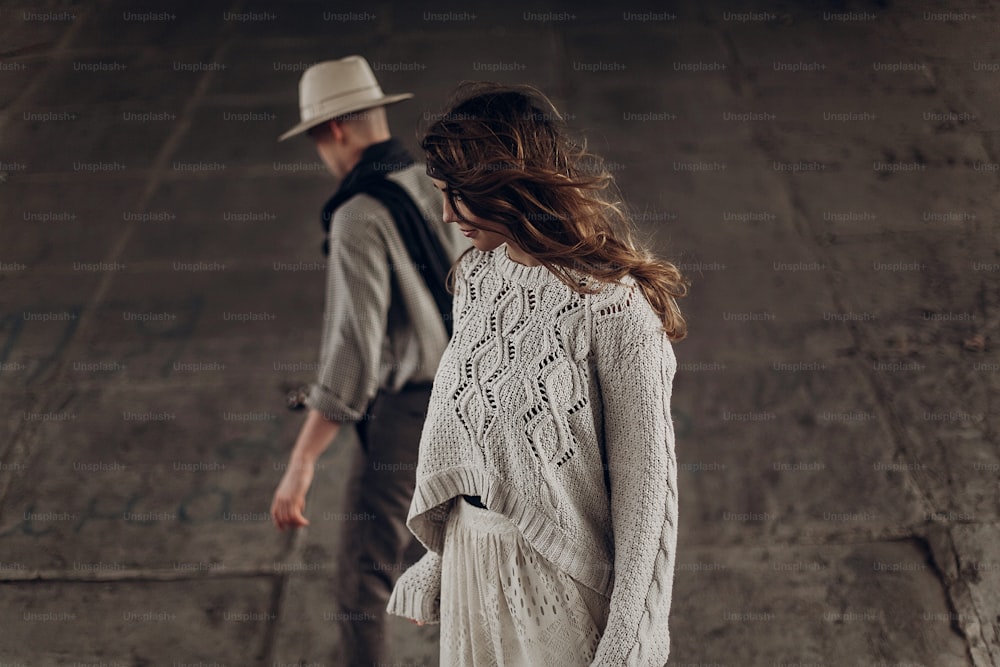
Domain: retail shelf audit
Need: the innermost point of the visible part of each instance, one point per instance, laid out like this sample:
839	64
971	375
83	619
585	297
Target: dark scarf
425	249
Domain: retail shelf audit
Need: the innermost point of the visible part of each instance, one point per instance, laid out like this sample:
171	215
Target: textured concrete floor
827	176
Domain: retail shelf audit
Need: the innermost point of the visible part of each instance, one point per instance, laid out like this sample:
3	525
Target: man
383	336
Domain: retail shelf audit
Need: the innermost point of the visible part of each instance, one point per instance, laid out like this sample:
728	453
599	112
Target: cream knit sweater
554	407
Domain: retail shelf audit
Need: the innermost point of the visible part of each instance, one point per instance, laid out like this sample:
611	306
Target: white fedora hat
336	87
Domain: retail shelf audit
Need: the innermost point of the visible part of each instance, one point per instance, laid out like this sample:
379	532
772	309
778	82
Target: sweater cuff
417	593
414	604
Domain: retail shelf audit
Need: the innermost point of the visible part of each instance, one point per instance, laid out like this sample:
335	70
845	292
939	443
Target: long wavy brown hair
508	152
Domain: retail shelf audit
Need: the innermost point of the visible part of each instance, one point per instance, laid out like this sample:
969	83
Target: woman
546	484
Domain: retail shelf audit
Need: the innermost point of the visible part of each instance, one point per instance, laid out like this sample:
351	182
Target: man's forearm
316	435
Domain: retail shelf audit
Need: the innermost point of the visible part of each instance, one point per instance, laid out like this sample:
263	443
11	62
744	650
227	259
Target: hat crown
337	87
331	79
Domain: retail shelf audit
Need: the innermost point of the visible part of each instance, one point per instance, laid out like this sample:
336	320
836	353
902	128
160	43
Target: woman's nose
448	214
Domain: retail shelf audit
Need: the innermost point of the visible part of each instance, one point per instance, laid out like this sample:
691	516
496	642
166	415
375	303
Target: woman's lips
468	232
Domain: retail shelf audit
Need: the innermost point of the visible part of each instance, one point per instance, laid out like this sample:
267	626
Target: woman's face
485	236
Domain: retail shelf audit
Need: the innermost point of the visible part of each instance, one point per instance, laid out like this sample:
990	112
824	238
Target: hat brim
304	126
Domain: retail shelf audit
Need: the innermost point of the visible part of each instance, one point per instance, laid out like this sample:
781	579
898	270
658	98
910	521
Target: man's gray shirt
381	327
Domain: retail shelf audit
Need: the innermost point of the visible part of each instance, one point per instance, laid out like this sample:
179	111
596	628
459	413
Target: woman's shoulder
621	310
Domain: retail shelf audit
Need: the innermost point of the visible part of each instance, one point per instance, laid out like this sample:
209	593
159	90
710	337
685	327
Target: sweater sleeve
635	369
417	594
358	290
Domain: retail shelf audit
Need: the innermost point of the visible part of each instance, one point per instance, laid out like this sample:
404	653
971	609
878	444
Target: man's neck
355	156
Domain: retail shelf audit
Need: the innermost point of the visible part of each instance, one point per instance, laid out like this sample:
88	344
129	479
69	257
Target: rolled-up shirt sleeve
358	291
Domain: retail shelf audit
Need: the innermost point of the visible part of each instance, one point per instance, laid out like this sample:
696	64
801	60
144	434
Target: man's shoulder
375	218
363	206
417	184
360	219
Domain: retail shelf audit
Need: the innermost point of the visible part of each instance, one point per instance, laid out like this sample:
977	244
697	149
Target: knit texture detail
554	407
420	599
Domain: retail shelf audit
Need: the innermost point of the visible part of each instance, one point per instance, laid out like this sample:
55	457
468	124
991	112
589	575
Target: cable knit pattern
554	407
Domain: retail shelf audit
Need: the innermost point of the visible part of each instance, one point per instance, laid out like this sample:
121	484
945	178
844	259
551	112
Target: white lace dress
502	604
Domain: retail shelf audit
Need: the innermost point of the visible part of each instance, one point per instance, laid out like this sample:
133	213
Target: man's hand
290	497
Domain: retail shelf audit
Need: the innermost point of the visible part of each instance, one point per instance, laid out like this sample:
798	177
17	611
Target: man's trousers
374	537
